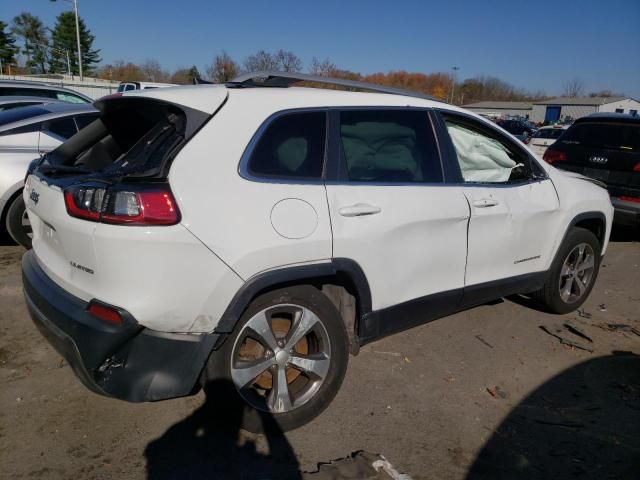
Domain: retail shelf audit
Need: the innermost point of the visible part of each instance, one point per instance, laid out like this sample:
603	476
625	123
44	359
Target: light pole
66	52
75	9
453	81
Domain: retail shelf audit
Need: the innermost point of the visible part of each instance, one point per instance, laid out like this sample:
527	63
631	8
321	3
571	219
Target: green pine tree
63	38
33	34
8	47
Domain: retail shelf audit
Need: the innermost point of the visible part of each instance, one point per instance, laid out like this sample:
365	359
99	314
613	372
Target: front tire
287	358
18	224
573	272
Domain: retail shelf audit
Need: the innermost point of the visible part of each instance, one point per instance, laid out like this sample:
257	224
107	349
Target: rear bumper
128	362
626	213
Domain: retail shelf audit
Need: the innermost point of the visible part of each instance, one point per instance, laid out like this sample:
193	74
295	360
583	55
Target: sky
534	45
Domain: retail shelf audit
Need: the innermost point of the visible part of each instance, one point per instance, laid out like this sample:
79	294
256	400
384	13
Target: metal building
567	108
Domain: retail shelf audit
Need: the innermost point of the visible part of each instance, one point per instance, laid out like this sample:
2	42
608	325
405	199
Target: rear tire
573	272
286	358
17	222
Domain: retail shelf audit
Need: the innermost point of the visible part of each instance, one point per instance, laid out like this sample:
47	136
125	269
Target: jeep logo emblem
599	160
34	196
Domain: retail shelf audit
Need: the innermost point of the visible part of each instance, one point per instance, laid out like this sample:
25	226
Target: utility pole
453	81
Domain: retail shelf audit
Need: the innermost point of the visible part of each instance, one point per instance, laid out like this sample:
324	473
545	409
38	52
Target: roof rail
285	79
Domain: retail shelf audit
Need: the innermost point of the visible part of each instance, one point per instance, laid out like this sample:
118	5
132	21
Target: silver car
27	133
40	89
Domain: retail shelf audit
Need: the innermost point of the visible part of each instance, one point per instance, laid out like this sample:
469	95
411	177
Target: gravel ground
486	393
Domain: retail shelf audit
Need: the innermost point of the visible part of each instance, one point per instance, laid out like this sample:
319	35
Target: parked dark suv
606	147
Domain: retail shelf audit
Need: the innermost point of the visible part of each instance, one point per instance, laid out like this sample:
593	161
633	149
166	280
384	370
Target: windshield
17	114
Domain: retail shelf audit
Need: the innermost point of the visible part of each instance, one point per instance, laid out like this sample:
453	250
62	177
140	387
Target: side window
485	157
394	146
129	87
84	120
69	97
291	147
61	127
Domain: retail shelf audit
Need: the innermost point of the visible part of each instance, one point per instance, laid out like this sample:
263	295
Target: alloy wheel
281	358
576	273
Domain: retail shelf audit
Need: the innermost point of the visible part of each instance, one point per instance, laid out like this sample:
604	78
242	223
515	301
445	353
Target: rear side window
617	136
61	127
84	120
291	147
390	146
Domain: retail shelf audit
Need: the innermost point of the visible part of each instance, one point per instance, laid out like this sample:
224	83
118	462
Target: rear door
390	210
512	205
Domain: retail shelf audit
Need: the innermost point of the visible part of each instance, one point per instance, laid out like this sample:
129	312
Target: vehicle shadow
583	423
623	233
6	240
210	444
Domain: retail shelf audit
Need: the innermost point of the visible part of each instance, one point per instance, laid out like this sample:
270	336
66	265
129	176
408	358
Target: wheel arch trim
287	275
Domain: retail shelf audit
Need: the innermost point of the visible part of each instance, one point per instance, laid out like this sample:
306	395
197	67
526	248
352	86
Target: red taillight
143	206
552	156
637	167
105	313
626	198
84	202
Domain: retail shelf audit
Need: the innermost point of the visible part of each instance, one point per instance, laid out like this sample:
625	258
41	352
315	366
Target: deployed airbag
482	159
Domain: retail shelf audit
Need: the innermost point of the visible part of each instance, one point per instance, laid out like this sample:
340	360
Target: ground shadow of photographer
209	444
583	423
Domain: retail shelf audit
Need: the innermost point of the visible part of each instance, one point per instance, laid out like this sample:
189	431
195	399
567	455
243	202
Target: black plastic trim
287	275
128	362
380	323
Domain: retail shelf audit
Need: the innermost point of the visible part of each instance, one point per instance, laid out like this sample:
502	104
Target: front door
512	204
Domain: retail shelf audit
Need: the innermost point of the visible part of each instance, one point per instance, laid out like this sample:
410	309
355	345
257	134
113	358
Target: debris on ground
618	327
393	354
479	337
560	333
497	392
583	313
359	465
603	307
577	331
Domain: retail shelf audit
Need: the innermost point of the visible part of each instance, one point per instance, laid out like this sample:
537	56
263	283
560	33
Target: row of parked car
35	119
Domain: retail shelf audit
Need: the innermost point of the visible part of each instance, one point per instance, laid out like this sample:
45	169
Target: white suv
258	233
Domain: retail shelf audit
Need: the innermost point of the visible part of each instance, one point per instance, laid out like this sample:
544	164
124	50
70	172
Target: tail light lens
552	156
637	167
136	206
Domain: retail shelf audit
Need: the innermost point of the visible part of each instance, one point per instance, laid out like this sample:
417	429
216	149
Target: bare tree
288	61
573	88
153	71
281	61
261	60
223	68
325	68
